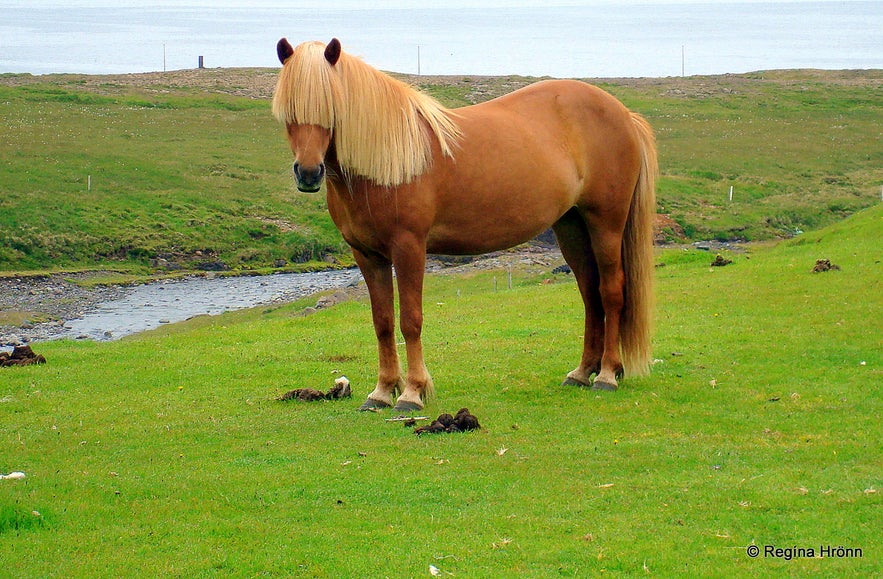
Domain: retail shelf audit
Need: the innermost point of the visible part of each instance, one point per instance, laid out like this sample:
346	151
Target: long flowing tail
637	256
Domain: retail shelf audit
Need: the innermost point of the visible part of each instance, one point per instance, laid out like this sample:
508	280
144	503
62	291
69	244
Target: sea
590	39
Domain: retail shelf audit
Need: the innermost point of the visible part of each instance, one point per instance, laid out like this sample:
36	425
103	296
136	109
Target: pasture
188	169
166	454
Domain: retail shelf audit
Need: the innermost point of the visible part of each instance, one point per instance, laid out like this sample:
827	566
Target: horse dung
21	356
341	389
463	421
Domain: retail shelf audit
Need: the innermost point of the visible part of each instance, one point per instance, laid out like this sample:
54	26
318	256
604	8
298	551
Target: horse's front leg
409	259
377	272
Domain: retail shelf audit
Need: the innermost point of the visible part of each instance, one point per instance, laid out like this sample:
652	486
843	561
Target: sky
350	4
81	36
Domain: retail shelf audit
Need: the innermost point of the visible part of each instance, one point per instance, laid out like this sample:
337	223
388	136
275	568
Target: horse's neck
336	174
332	163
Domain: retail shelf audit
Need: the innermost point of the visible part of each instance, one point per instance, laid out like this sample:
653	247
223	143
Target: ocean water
581	39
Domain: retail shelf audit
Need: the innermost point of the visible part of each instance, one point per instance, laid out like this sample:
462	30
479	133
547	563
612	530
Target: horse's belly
459	245
484	231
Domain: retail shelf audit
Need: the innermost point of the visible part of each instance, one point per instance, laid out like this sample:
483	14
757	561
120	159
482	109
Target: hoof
371	405
600	385
405	406
574	382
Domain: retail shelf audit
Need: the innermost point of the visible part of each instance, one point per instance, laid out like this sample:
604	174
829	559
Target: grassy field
132	180
166	454
188	170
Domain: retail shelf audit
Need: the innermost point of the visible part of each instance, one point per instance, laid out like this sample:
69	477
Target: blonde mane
377	121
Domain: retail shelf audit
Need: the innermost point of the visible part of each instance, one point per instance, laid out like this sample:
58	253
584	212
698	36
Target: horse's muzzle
309	179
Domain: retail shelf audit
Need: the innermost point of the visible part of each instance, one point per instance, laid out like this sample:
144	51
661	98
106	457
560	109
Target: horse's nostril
312	174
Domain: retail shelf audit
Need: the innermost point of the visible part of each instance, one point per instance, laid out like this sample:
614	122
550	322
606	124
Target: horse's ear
284	50
332	51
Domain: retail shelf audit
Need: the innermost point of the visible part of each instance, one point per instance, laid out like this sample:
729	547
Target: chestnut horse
406	176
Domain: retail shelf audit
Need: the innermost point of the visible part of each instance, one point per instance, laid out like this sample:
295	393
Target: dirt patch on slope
259	83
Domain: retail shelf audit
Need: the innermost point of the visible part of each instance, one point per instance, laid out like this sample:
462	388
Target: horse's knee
411	326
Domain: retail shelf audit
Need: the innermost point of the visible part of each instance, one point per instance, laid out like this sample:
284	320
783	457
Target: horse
406	176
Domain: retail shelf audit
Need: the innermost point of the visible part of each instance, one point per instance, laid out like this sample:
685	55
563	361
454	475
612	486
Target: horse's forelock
378	121
305	88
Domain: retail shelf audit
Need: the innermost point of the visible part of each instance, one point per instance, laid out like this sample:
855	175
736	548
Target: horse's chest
366	222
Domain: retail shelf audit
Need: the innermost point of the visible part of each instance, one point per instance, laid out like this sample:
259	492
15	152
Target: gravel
47	302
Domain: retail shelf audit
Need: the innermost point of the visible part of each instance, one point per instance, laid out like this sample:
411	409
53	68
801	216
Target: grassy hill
188	170
166	454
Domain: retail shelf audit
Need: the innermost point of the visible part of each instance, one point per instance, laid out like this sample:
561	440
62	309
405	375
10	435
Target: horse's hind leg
606	233
576	247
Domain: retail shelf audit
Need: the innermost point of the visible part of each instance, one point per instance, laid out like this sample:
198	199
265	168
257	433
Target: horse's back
525	159
559	119
575	100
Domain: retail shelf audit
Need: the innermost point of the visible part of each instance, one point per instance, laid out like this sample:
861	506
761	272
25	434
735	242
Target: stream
148	306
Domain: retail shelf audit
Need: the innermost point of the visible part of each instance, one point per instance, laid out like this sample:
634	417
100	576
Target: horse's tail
637	257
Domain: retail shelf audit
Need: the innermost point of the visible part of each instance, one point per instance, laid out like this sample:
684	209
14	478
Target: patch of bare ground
258	83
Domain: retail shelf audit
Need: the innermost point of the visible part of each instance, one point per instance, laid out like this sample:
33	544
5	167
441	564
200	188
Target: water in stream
148	306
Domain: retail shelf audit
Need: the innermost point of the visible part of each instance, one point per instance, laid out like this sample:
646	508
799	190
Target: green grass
800	153
189	177
189	180
166	455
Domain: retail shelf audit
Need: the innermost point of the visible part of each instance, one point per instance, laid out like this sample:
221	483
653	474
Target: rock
11	340
325	302
332	299
211	265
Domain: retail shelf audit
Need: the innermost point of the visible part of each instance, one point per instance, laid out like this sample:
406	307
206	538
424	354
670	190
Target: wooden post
89	183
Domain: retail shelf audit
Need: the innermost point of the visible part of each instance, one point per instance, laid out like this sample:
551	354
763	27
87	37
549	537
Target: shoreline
41	304
53	300
41	308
